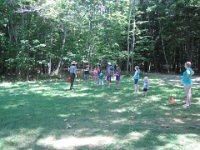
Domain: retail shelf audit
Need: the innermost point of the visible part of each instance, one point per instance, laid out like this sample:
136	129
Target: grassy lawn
47	116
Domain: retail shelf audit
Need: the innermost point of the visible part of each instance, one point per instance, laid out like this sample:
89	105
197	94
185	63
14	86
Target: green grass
47	116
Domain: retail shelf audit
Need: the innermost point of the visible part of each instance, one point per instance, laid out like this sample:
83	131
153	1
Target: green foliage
37	32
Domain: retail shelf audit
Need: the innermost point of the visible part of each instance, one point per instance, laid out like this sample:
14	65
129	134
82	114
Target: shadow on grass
49	117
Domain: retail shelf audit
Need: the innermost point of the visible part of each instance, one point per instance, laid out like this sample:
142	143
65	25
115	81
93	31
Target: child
96	74
112	69
187	82
118	73
145	86
101	75
136	78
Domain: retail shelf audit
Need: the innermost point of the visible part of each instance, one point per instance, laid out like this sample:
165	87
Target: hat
109	63
73	63
137	67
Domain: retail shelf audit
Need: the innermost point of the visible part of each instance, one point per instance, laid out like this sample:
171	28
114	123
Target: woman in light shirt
187	82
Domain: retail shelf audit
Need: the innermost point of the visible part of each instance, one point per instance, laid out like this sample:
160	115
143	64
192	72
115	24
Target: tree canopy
41	37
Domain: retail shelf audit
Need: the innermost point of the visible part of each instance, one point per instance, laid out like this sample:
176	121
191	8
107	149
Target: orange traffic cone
172	100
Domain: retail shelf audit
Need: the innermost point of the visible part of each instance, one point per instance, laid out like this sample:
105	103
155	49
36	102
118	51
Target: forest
42	37
99	74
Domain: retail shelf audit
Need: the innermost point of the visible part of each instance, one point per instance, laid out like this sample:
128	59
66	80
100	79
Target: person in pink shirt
96	74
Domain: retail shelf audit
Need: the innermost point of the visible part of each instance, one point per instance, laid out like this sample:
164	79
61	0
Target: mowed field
46	116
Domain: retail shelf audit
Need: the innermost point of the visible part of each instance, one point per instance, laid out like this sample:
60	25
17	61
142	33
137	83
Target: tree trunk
27	75
133	34
198	64
149	70
56	72
128	40
163	47
192	49
58	68
49	67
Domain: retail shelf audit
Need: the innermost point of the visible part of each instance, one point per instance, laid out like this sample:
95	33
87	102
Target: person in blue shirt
136	79
187	82
73	72
145	85
100	76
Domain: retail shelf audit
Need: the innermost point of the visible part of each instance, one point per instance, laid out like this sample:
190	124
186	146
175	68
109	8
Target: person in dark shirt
86	73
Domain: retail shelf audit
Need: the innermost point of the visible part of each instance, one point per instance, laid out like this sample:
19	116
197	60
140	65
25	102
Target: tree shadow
90	111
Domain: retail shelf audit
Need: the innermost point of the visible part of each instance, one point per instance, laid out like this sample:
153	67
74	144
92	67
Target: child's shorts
108	77
145	89
136	81
118	78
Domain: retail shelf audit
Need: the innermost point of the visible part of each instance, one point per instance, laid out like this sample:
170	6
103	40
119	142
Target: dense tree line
44	36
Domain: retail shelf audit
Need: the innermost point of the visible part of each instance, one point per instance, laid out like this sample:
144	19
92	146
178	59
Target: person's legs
136	85
188	93
85	77
118	84
190	96
96	79
108	81
145	92
101	83
135	88
72	76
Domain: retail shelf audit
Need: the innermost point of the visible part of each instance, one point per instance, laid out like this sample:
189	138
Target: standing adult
73	73
108	74
187	82
86	72
118	74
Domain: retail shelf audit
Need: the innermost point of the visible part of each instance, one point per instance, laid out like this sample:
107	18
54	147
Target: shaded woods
42	37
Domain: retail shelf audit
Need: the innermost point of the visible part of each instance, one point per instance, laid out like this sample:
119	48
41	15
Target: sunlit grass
45	115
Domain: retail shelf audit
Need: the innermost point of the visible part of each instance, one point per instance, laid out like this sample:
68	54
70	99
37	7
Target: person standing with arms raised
73	73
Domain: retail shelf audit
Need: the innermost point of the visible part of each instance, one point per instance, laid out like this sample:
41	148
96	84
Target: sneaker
186	105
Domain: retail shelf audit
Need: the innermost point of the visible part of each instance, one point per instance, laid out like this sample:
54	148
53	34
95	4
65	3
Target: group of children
110	71
99	78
